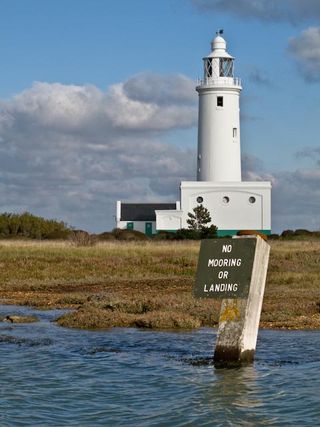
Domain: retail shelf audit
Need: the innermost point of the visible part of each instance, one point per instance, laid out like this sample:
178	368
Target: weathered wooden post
234	270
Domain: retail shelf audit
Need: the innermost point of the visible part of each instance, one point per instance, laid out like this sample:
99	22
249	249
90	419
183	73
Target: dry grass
292	298
148	284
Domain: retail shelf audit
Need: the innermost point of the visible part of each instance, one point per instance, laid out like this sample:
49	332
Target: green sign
224	268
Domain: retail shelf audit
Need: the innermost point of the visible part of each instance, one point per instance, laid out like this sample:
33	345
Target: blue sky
97	102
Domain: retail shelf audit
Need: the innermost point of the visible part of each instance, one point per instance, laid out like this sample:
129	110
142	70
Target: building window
225	200
199	199
219	101
252	199
234	132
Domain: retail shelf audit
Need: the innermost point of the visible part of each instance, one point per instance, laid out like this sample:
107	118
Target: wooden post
239	317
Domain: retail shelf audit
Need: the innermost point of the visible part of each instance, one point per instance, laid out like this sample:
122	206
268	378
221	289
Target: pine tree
199	219
197	225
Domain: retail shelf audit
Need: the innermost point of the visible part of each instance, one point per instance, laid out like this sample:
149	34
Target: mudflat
149	284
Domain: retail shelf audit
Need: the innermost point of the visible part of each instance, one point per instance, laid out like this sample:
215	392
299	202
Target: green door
149	228
129	225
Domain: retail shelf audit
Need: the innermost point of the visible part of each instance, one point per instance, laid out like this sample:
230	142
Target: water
52	376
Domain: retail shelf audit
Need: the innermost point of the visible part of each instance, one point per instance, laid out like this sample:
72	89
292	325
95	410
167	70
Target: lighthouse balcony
220	81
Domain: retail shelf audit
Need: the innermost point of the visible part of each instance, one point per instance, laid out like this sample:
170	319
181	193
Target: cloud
70	152
296	200
309	152
160	89
72	108
259	77
305	49
126	111
253	169
293	11
295	194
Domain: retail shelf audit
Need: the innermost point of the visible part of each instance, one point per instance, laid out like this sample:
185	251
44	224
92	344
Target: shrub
274	236
287	233
165	235
209	232
187	234
82	238
120	234
26	225
59	235
302	232
105	236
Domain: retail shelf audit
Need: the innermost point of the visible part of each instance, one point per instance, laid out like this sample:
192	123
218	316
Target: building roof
142	211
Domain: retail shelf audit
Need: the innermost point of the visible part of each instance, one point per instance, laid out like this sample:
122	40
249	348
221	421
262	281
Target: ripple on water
54	376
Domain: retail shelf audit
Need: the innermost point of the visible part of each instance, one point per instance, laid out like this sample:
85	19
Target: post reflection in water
234	396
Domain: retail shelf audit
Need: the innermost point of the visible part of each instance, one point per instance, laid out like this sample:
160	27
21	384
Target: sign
224	268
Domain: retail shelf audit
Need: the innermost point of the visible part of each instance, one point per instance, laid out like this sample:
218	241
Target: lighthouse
219	155
233	204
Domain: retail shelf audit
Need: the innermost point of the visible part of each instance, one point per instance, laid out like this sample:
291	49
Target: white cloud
71	151
296	200
127	113
305	49
295	194
161	90
72	108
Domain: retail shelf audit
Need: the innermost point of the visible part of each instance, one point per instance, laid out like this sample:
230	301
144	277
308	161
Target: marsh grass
149	284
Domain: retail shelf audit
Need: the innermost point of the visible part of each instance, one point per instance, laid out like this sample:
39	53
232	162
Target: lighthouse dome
219	48
218	43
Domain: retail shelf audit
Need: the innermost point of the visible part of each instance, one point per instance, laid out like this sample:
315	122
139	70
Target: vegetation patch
30	226
149	283
95	318
167	320
14	318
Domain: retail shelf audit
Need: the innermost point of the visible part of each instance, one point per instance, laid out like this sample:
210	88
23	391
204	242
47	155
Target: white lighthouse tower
219	155
233	204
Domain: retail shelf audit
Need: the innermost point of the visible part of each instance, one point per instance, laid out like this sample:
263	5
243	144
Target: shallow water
51	376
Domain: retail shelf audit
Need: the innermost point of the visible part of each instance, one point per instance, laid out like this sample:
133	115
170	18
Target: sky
98	103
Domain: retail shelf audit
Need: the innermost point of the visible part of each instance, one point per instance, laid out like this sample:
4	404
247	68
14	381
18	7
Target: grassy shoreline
149	284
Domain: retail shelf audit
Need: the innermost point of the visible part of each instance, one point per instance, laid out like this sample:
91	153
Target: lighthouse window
199	199
234	132
208	67
252	199
226	67
219	101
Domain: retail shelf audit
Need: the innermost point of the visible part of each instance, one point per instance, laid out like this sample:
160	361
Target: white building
233	204
142	216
